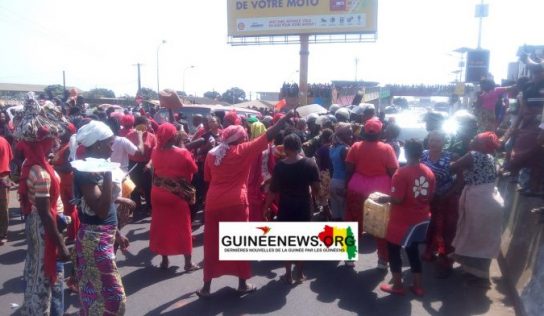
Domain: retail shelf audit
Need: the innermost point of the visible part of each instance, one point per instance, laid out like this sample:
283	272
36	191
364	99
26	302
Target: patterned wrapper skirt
324	183
479	228
101	291
37	299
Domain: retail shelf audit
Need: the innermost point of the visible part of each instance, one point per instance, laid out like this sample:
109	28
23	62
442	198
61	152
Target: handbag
177	186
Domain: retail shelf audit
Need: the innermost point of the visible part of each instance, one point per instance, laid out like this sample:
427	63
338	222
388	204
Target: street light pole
482	11
158	48
184	70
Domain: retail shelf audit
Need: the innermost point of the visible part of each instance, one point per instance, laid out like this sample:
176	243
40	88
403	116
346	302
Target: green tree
148	94
53	91
212	95
99	93
234	95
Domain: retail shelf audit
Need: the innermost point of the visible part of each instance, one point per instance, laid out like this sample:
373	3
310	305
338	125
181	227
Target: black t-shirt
292	181
84	212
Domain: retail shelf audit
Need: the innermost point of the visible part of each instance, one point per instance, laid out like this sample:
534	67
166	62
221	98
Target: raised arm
462	163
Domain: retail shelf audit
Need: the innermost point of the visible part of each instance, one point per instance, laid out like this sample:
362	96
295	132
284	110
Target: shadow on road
15	285
13	257
226	301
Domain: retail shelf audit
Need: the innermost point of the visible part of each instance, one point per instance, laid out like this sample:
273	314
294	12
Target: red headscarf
127	121
230	135
165	133
232	118
35	154
489	142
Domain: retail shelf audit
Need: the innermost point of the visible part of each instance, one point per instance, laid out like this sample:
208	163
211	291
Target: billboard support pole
303	79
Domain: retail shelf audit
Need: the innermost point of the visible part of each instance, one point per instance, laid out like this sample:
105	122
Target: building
13	93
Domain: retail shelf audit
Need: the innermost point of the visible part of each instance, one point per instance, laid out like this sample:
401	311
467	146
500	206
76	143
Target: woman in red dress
226	169
171	232
370	164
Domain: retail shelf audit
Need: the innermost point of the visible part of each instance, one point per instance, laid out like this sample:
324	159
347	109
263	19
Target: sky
97	43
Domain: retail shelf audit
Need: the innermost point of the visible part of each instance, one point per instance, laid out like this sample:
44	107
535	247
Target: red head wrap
165	133
488	142
232	118
127	121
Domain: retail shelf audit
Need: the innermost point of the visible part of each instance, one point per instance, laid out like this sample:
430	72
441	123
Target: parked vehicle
189	110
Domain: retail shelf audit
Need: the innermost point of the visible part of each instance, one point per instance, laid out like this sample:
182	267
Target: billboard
477	65
250	18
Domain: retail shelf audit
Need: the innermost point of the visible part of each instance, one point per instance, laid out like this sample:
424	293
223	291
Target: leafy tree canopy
148	94
99	93
234	95
212	95
53	91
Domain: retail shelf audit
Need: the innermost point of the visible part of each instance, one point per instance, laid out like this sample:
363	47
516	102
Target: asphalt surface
330	288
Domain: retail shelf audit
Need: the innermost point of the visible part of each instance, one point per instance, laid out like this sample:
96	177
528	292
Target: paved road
331	288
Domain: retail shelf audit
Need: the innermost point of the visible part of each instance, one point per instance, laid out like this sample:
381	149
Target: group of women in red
247	179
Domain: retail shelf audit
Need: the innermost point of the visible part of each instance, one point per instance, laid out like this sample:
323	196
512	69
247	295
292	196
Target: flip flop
249	289
390	289
419	292
191	268
202	295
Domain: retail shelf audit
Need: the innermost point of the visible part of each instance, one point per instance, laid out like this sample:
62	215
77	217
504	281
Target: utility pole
356	67
64	79
158	47
303	75
138	66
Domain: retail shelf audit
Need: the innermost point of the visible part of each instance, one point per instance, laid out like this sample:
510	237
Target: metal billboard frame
295	39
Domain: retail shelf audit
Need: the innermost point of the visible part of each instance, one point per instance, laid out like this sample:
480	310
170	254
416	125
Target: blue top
338	162
86	215
441	170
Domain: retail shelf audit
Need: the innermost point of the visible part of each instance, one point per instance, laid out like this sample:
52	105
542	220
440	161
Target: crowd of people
270	168
424	90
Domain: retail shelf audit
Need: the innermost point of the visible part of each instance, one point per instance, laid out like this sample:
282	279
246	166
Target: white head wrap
93	132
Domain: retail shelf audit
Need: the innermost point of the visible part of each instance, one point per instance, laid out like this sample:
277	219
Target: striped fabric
38	183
